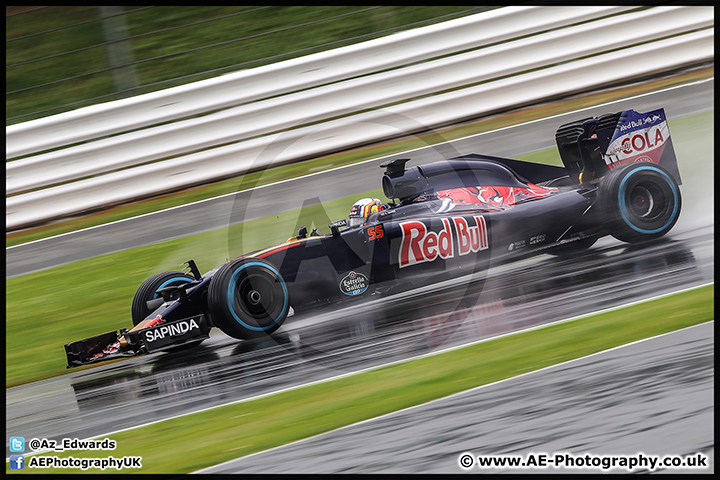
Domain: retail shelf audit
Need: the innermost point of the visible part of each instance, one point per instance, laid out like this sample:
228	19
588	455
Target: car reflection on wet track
514	297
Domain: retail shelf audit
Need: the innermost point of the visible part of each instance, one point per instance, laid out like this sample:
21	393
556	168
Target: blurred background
111	105
61	58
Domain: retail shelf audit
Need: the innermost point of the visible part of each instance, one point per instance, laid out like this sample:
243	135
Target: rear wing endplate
593	146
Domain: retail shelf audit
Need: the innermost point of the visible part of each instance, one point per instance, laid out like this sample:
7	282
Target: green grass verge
233	431
344	158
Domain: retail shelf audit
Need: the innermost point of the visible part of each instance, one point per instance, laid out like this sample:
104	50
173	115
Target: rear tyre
147	293
639	201
248	299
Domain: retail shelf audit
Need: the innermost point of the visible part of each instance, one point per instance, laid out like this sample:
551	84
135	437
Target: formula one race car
443	220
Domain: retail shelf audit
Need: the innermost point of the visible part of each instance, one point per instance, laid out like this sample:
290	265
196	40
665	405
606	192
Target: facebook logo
17	444
17	462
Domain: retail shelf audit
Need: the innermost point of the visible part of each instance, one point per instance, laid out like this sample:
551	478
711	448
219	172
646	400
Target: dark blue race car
442	220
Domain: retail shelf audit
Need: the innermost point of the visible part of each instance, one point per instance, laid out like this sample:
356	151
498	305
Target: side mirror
335	226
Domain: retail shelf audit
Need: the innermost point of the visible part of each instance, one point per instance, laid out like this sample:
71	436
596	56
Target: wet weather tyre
147	292
639	201
248	299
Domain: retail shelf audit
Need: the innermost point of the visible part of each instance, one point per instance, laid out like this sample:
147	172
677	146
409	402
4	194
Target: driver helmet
362	209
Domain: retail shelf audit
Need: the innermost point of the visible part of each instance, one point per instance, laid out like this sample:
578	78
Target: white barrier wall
292	75
567	57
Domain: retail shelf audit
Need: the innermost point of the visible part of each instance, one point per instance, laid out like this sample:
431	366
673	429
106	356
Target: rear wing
593	146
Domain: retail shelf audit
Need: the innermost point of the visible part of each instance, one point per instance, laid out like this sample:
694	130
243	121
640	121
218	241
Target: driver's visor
355	221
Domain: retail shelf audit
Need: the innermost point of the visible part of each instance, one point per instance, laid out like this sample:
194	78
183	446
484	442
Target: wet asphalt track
619	402
535	291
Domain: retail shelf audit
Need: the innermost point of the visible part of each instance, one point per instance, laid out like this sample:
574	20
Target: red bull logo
420	245
471	239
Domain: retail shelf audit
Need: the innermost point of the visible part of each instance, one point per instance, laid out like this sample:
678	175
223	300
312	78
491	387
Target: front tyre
146	299
639	201
248	299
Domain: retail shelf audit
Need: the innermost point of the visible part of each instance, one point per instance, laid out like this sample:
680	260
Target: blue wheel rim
623	207
231	290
